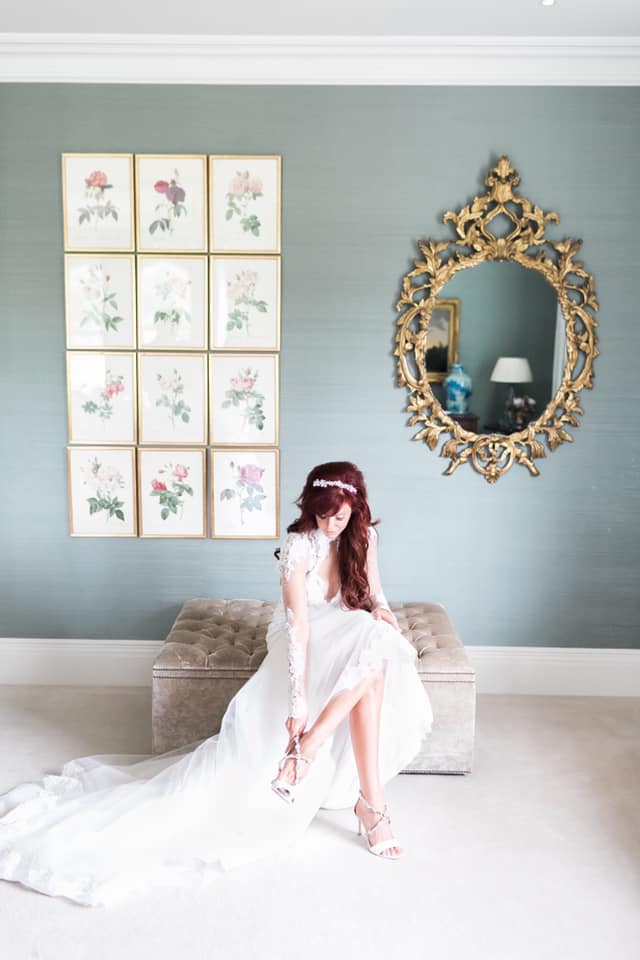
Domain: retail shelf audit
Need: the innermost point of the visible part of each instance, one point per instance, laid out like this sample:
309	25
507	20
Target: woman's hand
383	613
295	726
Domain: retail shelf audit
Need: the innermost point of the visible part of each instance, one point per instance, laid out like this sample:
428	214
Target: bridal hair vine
335	483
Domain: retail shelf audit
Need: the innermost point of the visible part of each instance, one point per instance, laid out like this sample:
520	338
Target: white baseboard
569	671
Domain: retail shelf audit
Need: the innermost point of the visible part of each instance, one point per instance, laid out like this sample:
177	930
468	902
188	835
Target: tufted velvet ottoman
215	646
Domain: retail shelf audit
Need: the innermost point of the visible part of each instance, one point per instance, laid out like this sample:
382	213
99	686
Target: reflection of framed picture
245	204
100	301
102	485
171	202
443	339
101	397
244	399
171	493
245	303
245	493
97	191
172	303
172	398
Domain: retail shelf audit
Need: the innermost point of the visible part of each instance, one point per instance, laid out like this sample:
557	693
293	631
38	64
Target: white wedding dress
110	826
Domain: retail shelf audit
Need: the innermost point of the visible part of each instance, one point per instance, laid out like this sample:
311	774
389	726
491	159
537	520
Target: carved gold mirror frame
523	241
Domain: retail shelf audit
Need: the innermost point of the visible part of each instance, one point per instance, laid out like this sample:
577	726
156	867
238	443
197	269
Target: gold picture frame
443	339
175	219
236	206
103	208
107	489
176	492
225	473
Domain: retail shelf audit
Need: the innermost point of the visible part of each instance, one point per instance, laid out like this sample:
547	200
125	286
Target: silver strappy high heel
377	848
284	788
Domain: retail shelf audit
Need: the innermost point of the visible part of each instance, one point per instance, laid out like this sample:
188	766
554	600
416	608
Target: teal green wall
553	560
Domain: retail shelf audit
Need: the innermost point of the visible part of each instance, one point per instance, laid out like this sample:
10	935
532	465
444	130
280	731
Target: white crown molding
310	60
566	671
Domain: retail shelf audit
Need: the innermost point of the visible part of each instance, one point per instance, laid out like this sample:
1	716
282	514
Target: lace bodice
309	549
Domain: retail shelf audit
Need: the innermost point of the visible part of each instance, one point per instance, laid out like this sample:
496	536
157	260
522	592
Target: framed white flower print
171	203
171	493
97	192
102	485
243	391
172	398
245	303
245	204
172	303
100	301
245	494
101	397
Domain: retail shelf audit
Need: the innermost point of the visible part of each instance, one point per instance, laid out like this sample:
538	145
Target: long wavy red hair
354	539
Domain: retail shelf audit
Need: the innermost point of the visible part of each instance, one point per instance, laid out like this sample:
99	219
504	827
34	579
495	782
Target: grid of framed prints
172	271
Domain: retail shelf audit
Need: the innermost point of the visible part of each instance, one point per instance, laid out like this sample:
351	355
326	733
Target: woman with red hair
346	656
336	664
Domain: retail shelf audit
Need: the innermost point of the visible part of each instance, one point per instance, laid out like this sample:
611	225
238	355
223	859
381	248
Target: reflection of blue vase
457	386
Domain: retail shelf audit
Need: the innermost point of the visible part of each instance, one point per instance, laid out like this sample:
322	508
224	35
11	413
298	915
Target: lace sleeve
293	565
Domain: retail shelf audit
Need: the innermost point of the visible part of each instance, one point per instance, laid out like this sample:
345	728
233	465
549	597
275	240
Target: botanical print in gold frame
101	397
443	339
172	302
172	398
100	301
171	203
245	494
172	493
245	203
107	507
243	399
245	303
97	201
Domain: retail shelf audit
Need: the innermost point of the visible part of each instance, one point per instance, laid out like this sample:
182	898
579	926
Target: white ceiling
329	18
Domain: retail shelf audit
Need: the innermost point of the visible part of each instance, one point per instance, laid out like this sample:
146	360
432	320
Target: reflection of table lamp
511	370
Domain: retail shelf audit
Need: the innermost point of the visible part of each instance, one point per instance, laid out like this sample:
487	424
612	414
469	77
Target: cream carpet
534	855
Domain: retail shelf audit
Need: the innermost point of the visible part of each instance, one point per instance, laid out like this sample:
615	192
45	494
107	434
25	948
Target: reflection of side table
468	421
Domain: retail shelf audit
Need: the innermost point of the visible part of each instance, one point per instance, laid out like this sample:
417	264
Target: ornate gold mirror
524	313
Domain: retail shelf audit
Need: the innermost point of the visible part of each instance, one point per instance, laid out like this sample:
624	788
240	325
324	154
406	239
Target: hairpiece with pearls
320	482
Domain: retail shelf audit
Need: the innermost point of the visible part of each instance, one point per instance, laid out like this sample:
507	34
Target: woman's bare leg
333	712
364	724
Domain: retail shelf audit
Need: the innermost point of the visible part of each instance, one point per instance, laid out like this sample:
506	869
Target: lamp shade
512	370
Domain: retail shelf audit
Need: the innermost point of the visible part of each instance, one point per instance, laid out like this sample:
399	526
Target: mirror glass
505	311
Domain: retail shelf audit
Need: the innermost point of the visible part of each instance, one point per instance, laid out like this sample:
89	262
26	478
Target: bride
110	826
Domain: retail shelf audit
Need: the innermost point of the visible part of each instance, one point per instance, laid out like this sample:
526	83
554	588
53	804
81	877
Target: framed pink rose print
101	397
172	492
245	494
243	391
245	198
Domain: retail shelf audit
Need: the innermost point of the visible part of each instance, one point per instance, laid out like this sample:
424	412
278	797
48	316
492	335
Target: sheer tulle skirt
111	825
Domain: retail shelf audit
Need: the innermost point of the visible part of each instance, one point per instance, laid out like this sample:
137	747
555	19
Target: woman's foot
383	831
308	748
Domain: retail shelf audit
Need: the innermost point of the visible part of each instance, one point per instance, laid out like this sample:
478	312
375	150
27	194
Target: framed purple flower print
171	203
